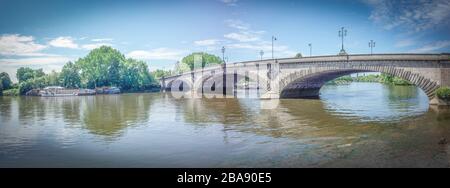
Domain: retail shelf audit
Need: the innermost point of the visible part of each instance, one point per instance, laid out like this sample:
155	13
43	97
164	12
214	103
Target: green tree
197	60
298	55
160	73
70	76
24	74
5	81
38	73
114	72
96	65
25	86
135	76
52	79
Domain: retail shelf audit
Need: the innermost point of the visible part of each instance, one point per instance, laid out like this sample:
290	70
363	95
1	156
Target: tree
96	66
5	81
298	55
160	73
24	74
114	72
38	73
197	60
135	76
52	79
70	76
25	86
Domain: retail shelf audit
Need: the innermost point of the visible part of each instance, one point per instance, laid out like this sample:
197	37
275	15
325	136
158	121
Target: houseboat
57	91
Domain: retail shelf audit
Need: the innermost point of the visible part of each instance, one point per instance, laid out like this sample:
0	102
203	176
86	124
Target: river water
355	125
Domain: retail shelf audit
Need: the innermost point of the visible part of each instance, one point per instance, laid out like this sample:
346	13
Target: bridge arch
307	83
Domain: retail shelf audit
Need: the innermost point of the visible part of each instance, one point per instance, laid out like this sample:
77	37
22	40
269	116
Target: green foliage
160	73
443	93
381	78
24	74
11	92
96	66
33	79
298	55
106	66
368	78
135	76
197	60
389	79
70	76
5	81
103	66
25	86
52	79
341	80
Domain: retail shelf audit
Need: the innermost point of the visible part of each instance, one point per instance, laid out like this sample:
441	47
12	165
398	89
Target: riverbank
15	92
374	78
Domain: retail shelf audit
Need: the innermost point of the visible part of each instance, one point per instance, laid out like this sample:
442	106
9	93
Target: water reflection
367	125
109	115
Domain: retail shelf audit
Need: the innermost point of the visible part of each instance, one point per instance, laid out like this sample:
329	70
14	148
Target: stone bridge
303	77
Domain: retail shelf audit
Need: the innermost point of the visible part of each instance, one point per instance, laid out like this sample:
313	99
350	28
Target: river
355	125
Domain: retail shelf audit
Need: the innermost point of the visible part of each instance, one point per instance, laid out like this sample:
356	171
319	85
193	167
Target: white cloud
34	61
49	63
207	42
243	36
94	45
244	32
432	47
279	50
247	38
237	24
157	54
414	15
69	42
230	2
18	45
404	43
102	40
63	42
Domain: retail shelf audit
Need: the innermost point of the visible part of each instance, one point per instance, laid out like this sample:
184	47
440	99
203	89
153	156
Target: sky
48	33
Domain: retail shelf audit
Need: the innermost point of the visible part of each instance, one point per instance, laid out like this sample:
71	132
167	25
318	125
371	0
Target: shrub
25	86
443	93
11	92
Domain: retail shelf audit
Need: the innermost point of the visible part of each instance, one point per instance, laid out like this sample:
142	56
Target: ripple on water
368	102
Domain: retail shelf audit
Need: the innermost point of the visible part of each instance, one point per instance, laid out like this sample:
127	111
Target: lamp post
223	54
310	49
371	46
224	75
261	53
342	34
273	39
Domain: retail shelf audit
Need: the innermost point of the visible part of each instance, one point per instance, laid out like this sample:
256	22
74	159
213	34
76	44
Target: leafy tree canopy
5	81
197	60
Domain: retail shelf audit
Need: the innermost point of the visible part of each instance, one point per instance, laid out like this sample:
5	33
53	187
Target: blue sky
46	34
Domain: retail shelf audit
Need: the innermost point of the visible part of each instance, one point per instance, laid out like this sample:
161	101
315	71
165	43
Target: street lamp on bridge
273	39
310	49
223	54
342	34
371	46
261	53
